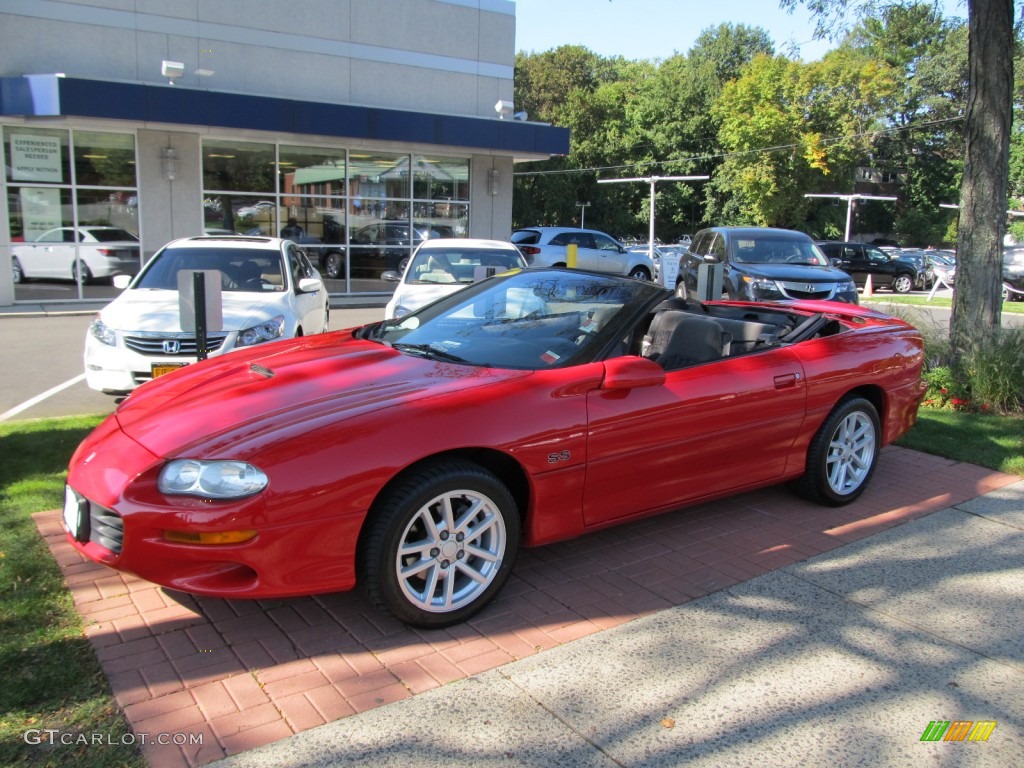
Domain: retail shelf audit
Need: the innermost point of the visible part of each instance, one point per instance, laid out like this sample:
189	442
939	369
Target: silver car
547	247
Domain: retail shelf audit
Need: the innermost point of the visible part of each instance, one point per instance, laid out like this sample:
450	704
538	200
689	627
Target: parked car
414	456
764	264
943	267
859	260
440	267
922	263
383	245
546	247
269	291
1013	273
101	252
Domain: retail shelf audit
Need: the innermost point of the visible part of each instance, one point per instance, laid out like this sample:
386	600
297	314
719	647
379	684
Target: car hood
412	297
146	310
803	273
231	405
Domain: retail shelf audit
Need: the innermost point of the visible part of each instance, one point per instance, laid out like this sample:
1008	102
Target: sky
656	29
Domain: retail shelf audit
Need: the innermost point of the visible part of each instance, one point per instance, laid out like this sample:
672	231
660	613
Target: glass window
441	178
104	159
237	166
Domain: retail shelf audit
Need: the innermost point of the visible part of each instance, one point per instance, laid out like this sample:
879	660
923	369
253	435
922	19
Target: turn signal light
220	537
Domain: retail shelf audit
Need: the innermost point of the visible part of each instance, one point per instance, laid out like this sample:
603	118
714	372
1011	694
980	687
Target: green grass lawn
921	299
50	677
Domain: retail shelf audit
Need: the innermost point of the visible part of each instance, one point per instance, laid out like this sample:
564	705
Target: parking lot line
39	398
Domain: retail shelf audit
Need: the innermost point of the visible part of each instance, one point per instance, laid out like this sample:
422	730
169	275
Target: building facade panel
368	125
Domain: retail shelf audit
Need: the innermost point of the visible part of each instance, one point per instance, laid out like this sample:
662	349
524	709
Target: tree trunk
977	305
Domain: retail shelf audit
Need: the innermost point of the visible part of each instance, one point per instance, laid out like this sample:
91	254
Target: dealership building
374	124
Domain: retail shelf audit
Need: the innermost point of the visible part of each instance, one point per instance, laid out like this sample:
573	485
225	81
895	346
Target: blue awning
56	95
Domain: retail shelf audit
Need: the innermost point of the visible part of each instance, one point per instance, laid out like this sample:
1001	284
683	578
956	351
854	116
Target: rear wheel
19	276
440	544
843	454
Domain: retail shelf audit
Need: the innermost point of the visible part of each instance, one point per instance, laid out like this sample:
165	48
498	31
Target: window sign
35	158
41	211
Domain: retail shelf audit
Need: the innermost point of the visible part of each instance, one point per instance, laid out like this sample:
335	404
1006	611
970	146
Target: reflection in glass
104	159
441	178
236	166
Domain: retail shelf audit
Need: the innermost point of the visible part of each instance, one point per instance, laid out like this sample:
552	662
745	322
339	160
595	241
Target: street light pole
583	212
653	180
849	205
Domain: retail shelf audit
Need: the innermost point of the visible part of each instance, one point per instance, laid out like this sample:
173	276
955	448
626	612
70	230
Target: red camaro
414	456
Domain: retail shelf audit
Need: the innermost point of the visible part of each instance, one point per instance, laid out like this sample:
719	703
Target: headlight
102	333
211	479
846	286
761	287
268	331
401	311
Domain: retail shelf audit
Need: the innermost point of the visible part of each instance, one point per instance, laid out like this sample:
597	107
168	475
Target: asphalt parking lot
43	348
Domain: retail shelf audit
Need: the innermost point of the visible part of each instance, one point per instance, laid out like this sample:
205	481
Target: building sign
35	158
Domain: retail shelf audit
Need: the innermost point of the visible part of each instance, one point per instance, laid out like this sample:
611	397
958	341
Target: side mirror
310	285
390	276
121	281
629	372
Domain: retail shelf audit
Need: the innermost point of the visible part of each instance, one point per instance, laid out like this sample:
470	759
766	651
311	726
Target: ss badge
554	458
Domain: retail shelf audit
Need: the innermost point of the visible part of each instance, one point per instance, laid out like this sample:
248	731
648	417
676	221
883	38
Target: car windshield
528	320
774	250
242	270
459	264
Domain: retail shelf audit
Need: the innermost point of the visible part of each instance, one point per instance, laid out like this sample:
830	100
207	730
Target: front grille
798	290
171	344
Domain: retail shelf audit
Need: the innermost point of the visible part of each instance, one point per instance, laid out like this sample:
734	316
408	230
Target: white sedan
65	253
443	266
269	290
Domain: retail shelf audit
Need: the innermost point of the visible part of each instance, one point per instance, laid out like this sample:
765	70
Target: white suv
546	246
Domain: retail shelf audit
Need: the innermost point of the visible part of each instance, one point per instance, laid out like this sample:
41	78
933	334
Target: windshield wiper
428	351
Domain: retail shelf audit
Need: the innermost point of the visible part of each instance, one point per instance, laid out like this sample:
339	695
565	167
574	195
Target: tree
976	303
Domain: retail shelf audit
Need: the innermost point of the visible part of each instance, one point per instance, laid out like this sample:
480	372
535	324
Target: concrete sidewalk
842	659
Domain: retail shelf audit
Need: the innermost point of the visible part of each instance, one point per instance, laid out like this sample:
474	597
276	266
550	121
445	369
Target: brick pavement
245	673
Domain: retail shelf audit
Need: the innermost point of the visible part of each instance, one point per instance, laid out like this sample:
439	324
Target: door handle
786	380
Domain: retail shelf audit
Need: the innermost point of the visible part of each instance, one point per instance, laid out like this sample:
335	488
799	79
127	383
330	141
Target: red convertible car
415	456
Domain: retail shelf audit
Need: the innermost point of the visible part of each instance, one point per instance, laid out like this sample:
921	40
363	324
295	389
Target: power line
724	155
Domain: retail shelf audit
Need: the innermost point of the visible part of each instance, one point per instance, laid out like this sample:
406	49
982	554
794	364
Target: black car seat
679	339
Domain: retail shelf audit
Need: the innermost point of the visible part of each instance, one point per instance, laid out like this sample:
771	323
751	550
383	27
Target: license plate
72	512
165	368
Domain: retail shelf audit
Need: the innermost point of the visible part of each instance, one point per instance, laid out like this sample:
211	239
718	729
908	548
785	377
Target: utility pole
653	180
849	205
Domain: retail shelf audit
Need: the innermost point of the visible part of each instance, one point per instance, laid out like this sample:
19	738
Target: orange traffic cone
867	288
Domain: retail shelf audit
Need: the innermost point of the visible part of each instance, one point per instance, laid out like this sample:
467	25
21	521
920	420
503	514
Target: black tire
86	273
436	590
334	265
16	271
902	283
843	454
640	273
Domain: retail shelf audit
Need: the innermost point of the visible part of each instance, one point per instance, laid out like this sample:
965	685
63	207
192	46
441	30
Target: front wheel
18	274
902	284
843	454
440	544
640	273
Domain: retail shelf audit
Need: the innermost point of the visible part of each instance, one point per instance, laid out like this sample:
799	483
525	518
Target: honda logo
172	347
